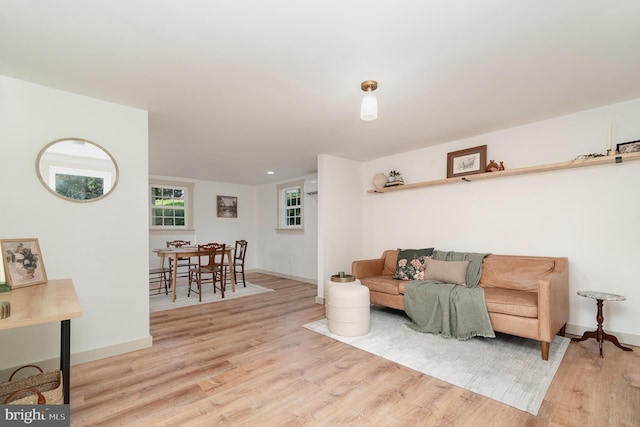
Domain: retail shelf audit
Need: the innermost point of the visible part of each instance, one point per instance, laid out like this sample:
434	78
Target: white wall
291	253
98	244
340	231
589	215
207	227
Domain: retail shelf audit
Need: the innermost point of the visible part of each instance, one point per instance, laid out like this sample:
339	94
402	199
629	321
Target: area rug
506	368
160	302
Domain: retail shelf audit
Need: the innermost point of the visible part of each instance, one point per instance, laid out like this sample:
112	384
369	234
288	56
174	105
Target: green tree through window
79	187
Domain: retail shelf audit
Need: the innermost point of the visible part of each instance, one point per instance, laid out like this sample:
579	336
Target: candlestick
609	138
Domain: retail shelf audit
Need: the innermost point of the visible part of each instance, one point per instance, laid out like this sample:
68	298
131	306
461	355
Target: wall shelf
572	164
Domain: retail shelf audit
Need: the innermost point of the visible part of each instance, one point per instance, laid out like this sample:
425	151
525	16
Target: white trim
286	276
87	356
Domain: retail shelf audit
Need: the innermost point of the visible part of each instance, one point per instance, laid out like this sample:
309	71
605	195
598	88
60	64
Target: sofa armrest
553	301
367	268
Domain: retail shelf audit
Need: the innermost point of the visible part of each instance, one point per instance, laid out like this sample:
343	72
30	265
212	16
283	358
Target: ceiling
237	88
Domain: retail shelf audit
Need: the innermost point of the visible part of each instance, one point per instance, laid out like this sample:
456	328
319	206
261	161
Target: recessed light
270	172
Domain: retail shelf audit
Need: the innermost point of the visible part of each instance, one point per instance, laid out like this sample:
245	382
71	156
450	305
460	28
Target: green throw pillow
412	263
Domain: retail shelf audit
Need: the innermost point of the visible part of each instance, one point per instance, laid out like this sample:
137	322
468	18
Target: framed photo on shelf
628	147
22	261
466	162
227	207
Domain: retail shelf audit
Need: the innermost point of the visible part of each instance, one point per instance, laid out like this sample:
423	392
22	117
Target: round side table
599	334
347	308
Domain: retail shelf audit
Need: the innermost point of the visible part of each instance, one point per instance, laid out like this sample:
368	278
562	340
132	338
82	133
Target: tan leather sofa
526	296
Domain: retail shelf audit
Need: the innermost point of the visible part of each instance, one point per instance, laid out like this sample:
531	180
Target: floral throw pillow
412	263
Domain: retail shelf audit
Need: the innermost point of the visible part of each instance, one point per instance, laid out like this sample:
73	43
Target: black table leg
65	357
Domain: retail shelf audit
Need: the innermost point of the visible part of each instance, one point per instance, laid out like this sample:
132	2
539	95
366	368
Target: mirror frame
52	191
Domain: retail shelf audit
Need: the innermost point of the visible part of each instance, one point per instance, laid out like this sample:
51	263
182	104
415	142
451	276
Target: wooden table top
53	301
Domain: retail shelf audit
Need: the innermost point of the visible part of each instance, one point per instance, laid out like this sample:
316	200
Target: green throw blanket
447	309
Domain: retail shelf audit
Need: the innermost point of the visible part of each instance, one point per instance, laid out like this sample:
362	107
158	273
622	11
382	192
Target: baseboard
86	356
623	337
286	276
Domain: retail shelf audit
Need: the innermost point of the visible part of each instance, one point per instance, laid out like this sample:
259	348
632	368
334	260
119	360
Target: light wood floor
249	362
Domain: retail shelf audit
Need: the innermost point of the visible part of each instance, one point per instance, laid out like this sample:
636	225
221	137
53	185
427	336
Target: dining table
187	252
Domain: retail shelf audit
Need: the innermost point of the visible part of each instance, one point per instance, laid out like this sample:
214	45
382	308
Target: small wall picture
628	147
22	262
467	161
227	207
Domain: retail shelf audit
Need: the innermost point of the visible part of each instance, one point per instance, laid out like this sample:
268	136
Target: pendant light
369	107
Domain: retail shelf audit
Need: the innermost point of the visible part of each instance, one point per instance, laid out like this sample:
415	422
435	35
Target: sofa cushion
514	272
512	302
411	263
390	261
447	271
385	284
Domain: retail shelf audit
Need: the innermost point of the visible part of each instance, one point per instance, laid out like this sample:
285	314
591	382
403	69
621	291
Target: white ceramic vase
380	180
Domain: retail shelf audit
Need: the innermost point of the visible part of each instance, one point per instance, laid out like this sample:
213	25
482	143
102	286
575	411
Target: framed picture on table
466	162
22	261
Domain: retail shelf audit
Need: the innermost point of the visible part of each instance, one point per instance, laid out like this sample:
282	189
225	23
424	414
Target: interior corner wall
340	213
97	244
287	253
589	215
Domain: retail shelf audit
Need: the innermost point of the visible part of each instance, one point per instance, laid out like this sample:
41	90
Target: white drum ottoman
348	309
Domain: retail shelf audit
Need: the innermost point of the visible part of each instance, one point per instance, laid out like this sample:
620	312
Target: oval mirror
77	169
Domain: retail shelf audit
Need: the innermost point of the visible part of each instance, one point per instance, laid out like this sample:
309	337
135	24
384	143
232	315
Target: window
290	205
170	206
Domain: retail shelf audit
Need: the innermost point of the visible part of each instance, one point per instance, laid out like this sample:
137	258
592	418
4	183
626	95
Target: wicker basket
27	391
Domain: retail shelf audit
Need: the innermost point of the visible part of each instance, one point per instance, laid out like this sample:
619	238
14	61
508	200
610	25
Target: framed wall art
628	147
466	162
22	262
227	206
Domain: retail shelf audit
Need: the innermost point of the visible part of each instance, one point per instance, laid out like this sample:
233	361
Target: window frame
282	208
188	205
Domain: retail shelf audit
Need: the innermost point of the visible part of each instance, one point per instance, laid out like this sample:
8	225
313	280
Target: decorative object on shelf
466	162
588	156
395	178
609	151
492	166
501	167
369	106
380	180
578	162
628	147
5	309
22	261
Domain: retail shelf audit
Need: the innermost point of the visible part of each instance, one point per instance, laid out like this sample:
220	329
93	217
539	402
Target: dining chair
184	263
239	253
160	275
210	261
